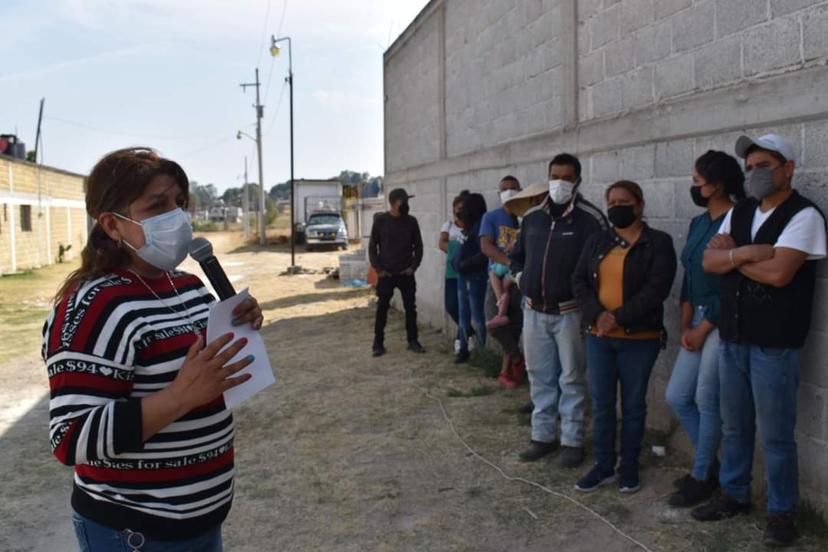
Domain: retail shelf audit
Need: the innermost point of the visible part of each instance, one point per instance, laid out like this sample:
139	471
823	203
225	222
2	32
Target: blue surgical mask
506	195
167	238
561	191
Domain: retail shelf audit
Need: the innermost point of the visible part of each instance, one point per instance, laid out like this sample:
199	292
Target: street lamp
275	50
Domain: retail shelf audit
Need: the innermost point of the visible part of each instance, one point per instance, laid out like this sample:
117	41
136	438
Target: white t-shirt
455	232
804	232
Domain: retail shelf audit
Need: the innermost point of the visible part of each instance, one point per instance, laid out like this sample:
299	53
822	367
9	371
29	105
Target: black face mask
621	216
404	208
698	198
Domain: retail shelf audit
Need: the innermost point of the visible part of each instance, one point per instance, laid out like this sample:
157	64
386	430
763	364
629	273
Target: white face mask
167	238
560	191
506	195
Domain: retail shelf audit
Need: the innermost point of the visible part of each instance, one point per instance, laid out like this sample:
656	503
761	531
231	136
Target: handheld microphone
202	251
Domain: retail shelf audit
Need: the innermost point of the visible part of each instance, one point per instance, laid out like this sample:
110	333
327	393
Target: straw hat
522	201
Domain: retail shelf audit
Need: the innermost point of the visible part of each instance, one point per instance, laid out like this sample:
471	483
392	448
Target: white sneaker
456	346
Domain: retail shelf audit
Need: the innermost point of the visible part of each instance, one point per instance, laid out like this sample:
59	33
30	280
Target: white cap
771	142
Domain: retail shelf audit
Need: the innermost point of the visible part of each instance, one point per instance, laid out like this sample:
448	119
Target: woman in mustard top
621	281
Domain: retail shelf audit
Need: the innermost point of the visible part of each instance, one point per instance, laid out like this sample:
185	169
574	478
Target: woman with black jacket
621	281
471	266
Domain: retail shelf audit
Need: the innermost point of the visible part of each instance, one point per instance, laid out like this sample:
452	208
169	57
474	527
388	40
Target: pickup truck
325	228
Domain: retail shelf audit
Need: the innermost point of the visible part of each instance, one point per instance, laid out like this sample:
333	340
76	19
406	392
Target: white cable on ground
521	479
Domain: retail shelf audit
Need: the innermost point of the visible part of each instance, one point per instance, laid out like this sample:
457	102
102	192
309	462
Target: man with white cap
767	250
550	241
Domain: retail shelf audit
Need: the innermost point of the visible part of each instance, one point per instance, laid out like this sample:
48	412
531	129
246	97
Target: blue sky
165	73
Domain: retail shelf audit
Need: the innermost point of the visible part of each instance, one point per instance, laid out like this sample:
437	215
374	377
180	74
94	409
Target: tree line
205	196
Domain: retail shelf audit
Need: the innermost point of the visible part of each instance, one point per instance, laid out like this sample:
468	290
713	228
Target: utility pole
292	184
245	203
37	136
263	204
274	51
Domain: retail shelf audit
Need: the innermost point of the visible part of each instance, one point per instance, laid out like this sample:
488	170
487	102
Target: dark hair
474	207
460	197
717	167
775	154
510	178
631	187
566	159
114	183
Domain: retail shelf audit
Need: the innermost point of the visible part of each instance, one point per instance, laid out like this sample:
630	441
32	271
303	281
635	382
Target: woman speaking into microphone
136	395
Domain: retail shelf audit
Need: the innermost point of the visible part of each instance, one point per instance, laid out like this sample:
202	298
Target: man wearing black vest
767	251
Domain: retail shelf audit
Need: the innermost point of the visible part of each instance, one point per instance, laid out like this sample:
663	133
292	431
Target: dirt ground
345	452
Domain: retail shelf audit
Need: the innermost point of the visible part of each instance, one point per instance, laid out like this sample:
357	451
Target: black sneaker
537	450
462	357
692	492
527	408
596	478
629	482
780	531
571	457
681	481
415	347
719	507
378	351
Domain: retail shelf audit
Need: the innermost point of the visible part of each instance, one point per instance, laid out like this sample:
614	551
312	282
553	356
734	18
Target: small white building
311	196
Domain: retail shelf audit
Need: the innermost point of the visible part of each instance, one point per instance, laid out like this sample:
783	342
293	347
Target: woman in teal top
693	390
451	236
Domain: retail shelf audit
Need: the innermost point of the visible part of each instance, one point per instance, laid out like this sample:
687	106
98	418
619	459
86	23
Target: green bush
204	226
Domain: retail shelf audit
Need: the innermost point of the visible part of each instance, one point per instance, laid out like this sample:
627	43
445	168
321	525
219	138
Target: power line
272	58
118	132
276	111
211	145
264	33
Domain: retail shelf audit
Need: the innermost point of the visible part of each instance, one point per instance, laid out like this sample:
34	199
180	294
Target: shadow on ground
309	298
351	453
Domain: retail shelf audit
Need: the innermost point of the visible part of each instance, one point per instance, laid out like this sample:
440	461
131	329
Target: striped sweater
107	344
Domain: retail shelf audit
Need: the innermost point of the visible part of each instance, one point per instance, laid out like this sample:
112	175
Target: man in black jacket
544	258
396	251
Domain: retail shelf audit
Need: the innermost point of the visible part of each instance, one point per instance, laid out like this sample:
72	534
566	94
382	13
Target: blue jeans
612	360
451	300
94	537
554	352
471	294
693	394
759	384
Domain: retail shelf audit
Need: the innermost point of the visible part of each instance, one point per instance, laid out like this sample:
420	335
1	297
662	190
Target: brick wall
638	89
55	200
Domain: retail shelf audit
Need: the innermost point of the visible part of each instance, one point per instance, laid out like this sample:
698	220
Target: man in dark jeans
395	252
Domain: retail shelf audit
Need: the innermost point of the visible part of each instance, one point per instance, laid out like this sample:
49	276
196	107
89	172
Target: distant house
222	213
43	214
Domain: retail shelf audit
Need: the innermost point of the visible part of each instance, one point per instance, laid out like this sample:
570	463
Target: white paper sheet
219	323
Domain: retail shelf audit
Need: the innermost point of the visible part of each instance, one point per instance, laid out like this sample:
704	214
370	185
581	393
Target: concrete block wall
638	89
409	121
56	201
502	71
